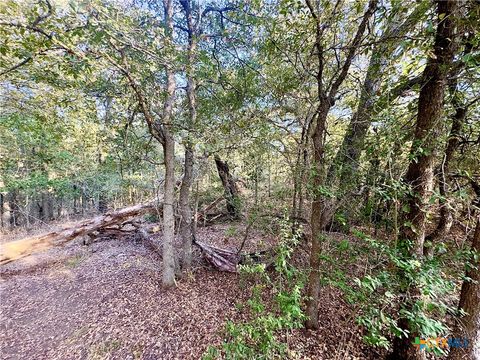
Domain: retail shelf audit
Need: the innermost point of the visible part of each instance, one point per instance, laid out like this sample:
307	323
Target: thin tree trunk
59	207
469	326
322	206
102	199
169	156
419	175
13	205
161	130
84	200
168	212
2	209
185	210
299	171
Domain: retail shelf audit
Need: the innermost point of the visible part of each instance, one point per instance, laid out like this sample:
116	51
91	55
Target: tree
423	153
470	305
344	167
327	92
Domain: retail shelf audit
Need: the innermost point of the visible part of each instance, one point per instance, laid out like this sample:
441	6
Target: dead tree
230	188
21	248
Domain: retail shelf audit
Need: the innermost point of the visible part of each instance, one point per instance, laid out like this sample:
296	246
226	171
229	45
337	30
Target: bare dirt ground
105	301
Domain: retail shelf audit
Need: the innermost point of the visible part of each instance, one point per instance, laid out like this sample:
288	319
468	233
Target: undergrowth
259	337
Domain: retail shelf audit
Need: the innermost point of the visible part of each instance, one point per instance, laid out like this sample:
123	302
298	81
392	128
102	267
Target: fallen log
21	248
202	215
228	260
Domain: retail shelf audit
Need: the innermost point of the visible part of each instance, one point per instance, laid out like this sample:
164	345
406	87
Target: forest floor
105	301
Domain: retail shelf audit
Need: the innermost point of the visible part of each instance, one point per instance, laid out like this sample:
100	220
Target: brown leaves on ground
105	301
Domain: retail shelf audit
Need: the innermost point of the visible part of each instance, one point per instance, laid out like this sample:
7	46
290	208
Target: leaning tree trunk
230	188
346	161
469	326
446	218
419	175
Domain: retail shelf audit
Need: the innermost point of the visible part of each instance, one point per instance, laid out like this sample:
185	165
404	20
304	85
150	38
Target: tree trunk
230	188
423	152
102	199
168	212
347	158
446	218
185	210
2	209
14	209
469	326
317	220
84	200
59	207
299	174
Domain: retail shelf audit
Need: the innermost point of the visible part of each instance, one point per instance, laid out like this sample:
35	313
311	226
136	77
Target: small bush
258	338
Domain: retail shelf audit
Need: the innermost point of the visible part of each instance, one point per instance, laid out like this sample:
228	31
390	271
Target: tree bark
419	176
469	325
102	198
169	156
299	173
446	218
186	230
317	220
168	278
230	188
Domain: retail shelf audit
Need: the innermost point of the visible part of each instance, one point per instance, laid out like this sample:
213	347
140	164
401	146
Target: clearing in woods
105	301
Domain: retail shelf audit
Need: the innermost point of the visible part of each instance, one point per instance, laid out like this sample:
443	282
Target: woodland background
346	131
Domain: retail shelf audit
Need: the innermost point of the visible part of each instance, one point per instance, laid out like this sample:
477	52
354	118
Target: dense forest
245	179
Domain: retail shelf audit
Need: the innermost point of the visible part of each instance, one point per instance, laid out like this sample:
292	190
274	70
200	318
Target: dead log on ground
18	249
202	215
228	260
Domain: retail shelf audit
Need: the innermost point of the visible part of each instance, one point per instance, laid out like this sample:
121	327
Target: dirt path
105	302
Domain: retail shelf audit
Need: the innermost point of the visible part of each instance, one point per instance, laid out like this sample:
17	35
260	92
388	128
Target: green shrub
258	338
